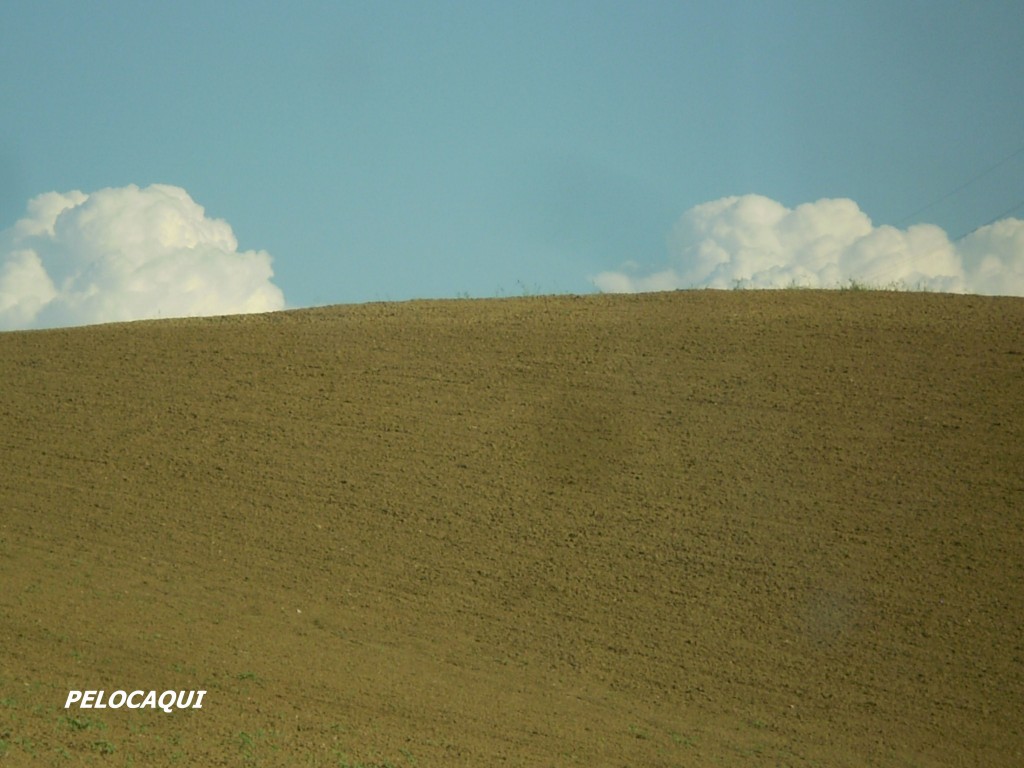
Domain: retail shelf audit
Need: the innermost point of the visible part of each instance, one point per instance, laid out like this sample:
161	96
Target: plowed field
686	529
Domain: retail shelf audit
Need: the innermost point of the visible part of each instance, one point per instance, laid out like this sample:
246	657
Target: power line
899	263
993	220
998	164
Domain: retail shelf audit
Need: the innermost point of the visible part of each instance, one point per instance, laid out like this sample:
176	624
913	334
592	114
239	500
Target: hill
682	529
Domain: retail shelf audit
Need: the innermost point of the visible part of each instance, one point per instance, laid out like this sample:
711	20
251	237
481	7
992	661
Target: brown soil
686	529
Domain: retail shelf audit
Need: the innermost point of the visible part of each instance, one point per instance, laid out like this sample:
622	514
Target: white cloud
755	242
126	254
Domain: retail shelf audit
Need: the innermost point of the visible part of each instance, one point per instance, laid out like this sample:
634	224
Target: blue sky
392	150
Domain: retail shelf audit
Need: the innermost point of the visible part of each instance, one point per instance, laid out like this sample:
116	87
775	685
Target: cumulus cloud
126	254
754	242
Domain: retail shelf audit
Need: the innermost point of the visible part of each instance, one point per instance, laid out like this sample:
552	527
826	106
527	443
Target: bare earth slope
685	529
